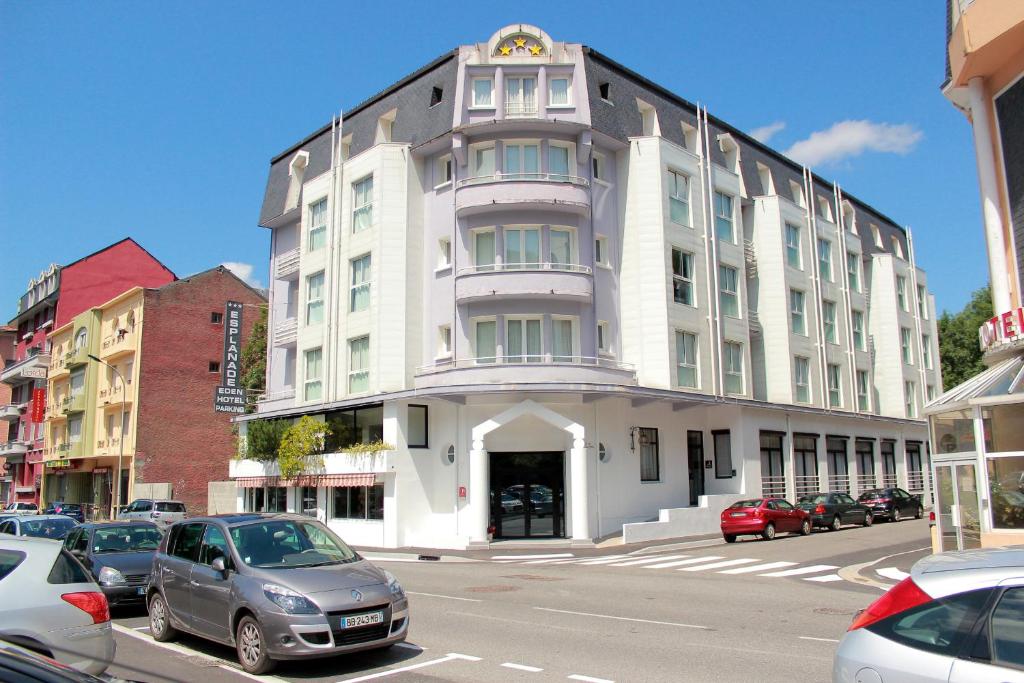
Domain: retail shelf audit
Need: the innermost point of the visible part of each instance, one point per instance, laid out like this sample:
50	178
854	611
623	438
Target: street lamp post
116	498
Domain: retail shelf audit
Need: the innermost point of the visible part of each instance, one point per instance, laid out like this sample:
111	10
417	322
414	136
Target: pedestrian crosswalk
690	563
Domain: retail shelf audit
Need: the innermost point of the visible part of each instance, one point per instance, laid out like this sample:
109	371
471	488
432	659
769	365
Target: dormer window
798	193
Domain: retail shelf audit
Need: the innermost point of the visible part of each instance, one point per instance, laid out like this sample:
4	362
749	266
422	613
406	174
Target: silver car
53	527
163	513
274	586
958	618
49	603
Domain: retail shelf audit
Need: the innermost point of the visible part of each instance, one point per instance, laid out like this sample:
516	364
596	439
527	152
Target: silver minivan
163	513
274	586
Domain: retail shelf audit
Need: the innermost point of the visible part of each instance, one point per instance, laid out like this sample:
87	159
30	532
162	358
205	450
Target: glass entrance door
956	506
528	495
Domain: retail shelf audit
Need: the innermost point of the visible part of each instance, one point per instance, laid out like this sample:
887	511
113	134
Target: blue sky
158	120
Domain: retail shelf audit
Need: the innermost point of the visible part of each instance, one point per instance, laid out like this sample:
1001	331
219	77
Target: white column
479	493
997	265
579	478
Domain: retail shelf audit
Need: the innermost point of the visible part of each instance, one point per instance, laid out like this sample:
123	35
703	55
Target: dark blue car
73	510
119	555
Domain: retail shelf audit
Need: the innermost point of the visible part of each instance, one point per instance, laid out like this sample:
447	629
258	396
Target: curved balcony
11	412
560	281
544	369
511	191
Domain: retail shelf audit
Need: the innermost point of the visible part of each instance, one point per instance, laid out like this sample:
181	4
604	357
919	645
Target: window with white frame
604	341
444	252
682	277
876	236
824	208
561	246
317	236
597	166
444	171
930	392
485	340
315	298
444	341
793	246
857	324
729	297
825	259
926	351
922	302
563	339
862	390
901	292
853	271
905	350
897	246
359	297
678	198
559	91
835	393
797	319
523	340
687	372
601	251
313	386
522	160
802	379
483	249
362	204
828	314
483	92
724	217
732	353
522	248
910	396
558	162
358	365
482	161
520	96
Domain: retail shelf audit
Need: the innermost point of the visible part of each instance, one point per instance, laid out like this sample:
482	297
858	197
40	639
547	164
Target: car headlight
393	586
111	577
288	600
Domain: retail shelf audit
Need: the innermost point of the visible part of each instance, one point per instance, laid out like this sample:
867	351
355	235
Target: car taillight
757	512
883	500
931	516
820	509
94	604
901	597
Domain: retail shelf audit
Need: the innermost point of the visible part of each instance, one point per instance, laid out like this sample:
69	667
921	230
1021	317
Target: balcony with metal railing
11	412
805	484
13	447
275	400
889	479
31	368
865	482
839	483
286	332
521	110
286	265
118	344
916	480
551	191
538	369
562	281
774	487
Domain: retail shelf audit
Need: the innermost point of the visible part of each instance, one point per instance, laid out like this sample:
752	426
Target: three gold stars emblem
515	44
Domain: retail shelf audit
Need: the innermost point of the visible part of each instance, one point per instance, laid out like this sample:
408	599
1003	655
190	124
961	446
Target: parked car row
768	516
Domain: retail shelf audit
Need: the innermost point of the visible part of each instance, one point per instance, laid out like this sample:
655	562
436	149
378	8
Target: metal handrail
773	486
546	359
839	483
527	177
804	484
519	267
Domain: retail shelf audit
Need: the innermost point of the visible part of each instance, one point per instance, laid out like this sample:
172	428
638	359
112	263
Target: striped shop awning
308	480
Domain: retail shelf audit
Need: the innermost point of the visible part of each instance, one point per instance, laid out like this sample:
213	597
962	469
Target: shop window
358	502
1006	491
1004	428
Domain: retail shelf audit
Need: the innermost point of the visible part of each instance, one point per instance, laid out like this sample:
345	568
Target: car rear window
9	559
66	569
47	528
813	499
871	495
939	626
746	504
170	507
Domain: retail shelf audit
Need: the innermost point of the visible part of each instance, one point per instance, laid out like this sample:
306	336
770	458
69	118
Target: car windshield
47	528
125	539
288	543
814	499
746	504
170	507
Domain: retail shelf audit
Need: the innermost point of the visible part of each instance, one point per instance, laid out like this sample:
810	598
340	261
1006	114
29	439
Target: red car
763	517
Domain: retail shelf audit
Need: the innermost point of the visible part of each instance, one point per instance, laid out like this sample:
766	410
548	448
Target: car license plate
738	514
357	620
141	590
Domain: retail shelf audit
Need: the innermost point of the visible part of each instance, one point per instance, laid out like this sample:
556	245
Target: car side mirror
219	565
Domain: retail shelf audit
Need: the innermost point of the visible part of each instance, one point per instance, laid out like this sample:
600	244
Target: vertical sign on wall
230	397
38	404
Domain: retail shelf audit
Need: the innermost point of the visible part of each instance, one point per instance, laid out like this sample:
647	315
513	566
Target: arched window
81	338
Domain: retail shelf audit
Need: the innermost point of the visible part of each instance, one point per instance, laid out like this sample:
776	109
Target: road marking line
892	573
410	646
802	570
604	560
758	568
531	557
140	628
522	667
823	640
412	667
676	563
555	561
446	597
825	579
717	565
588	679
609	616
649	560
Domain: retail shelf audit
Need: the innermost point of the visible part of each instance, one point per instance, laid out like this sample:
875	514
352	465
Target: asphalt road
749	611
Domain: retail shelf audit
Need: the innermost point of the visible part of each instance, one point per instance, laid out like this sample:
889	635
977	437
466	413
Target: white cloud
852	138
243	271
766	133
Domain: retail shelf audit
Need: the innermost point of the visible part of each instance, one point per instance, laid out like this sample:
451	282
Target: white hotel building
575	305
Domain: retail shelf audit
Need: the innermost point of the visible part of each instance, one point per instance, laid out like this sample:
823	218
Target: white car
21	509
958	618
50	603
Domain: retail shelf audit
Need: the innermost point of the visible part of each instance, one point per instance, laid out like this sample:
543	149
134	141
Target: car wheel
869	519
805	528
729	538
769	532
919	513
252	647
160	620
836	523
895	514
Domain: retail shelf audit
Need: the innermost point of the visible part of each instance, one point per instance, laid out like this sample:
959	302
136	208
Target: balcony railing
286	264
525	267
521	360
11	412
76	356
915	481
839	483
524	177
804	484
13	447
865	482
889	480
283	395
285	332
117	343
520	110
774	487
